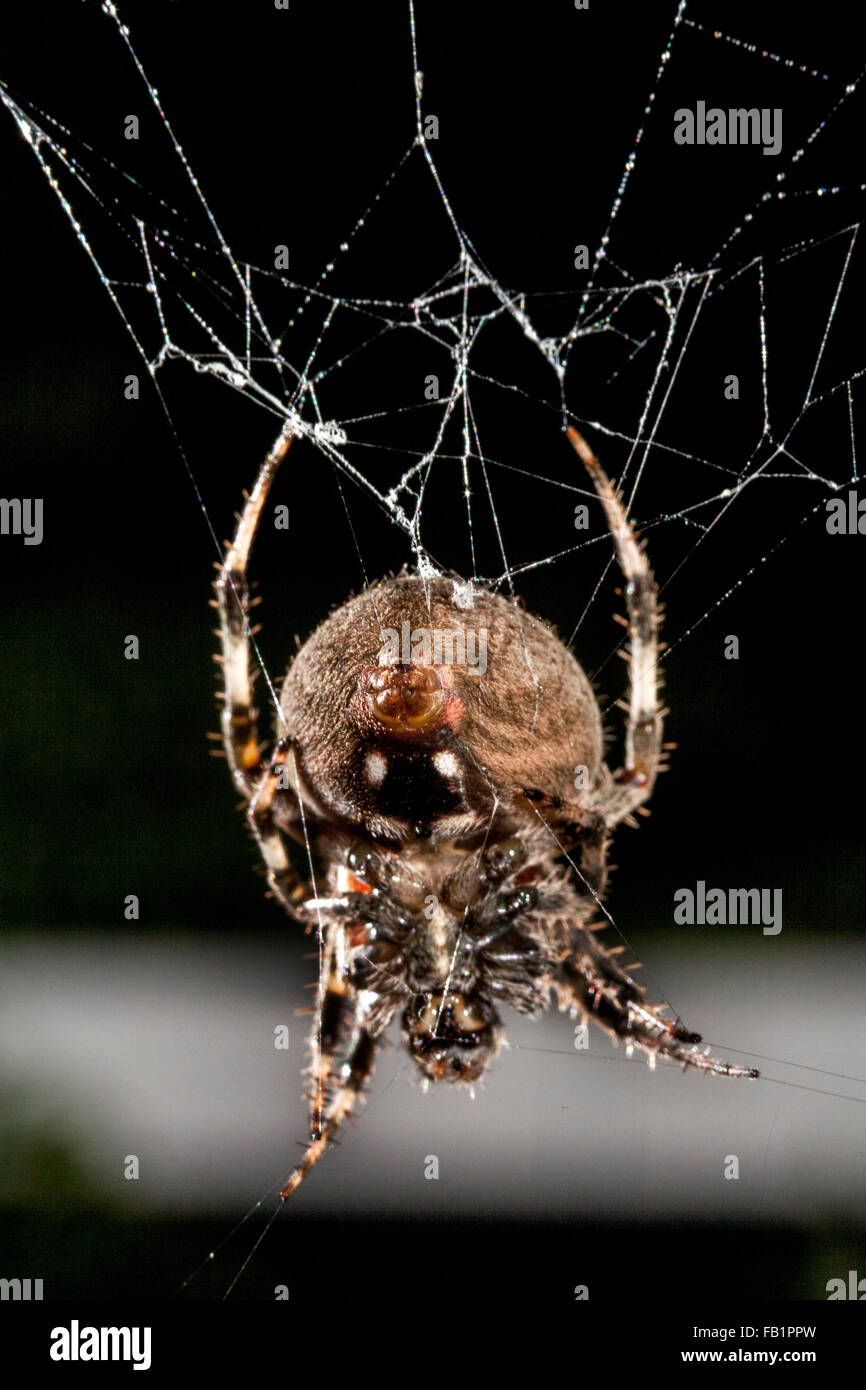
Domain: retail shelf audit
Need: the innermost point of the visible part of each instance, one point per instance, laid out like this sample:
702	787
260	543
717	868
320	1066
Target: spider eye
405	699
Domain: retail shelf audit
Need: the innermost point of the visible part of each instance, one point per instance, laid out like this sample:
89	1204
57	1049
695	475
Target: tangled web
634	359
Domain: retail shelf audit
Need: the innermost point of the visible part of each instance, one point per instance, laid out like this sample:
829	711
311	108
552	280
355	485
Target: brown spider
441	799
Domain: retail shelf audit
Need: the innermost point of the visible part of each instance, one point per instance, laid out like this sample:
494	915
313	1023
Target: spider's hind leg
632	784
239	716
590	980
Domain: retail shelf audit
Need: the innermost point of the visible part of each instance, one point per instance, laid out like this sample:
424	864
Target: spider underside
443	801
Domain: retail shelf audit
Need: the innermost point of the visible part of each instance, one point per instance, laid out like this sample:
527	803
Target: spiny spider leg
589	979
283	879
256	780
633	783
239	716
327	1028
354	1073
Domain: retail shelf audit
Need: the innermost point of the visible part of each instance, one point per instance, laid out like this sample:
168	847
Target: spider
442	803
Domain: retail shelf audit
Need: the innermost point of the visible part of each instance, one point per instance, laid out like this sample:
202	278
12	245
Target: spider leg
284	881
239	716
354	1074
327	1027
633	783
257	781
590	979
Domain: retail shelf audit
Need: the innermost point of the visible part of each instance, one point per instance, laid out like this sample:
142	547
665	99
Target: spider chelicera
442	801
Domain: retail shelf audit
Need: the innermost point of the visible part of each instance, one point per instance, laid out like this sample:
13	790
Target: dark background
292	123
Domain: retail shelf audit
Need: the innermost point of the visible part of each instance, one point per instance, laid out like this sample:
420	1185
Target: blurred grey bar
164	1049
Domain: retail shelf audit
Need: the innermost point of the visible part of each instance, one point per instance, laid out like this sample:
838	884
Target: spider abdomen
422	708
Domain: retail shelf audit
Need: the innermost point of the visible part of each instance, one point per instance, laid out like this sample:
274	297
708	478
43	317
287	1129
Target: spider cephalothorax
440	752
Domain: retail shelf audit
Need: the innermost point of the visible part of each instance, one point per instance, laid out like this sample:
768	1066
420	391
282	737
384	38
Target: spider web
305	353
633	350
